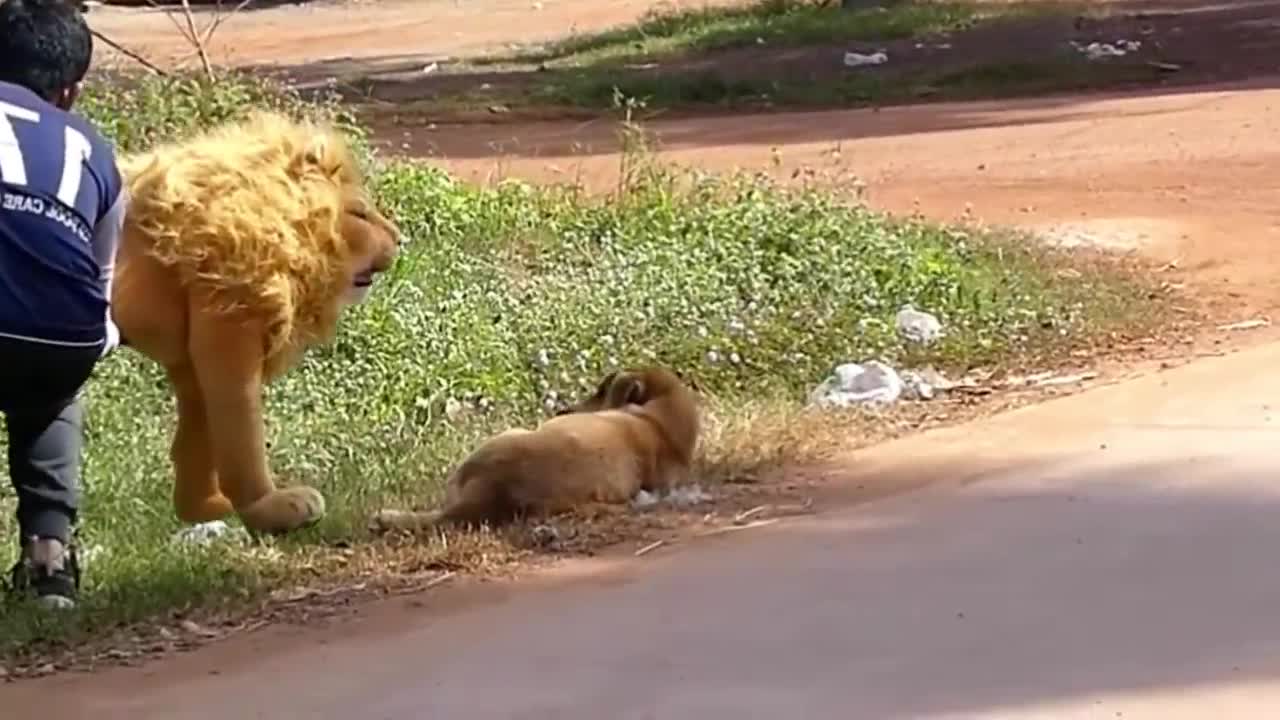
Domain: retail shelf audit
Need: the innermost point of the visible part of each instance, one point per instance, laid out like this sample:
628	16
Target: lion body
240	248
638	432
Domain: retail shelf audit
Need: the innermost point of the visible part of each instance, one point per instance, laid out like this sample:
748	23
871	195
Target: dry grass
744	442
752	459
364	416
741	445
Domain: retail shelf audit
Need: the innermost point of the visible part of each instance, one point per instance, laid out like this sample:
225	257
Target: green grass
597	88
509	296
773	22
676	59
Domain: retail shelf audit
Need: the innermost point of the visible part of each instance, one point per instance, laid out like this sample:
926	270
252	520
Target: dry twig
195	39
650	547
198	39
736	528
437	580
130	54
219	17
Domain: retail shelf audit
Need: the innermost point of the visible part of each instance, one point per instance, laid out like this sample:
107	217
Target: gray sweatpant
39	395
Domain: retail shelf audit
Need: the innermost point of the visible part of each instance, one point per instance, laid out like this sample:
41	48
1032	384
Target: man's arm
106	246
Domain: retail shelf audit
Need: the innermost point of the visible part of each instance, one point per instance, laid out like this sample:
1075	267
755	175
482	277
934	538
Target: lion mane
252	211
241	245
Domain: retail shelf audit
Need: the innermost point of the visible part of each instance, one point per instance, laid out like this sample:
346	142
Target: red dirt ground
1187	176
368	30
1180	43
1185	173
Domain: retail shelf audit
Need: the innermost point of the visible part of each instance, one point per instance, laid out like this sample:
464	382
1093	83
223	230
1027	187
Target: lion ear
310	159
317	150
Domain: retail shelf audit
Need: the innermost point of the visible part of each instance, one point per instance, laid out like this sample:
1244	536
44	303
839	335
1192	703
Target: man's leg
44	464
39	389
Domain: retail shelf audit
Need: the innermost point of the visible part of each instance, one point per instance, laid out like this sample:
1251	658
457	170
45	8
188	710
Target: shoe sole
56	602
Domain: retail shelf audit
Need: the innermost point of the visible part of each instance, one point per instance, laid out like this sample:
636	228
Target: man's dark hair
45	45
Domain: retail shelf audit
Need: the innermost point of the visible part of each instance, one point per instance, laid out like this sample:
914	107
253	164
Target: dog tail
405	520
480	502
485	500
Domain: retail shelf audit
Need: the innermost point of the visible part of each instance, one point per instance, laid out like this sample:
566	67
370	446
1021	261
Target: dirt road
376	33
1104	555
1188	176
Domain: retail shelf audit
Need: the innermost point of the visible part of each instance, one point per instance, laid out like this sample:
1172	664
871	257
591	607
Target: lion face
374	242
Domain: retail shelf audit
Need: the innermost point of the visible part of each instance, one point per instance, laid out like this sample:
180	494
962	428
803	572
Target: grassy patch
596	89
789	53
510	297
662	33
135	111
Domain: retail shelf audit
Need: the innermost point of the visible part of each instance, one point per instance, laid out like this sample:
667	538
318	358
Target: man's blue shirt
61	208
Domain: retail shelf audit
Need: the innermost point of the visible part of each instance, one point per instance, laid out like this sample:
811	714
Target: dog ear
636	392
625	389
602	390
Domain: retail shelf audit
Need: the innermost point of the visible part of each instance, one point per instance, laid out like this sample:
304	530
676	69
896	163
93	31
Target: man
61	210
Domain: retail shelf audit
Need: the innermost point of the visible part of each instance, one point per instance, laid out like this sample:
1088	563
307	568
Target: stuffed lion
240	248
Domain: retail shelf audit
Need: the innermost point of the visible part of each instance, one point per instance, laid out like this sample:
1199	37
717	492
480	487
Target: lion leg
227	356
196	496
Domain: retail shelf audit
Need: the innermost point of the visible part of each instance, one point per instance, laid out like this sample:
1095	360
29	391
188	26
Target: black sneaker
49	570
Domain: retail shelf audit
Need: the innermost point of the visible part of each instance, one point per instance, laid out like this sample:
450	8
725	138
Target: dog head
621	388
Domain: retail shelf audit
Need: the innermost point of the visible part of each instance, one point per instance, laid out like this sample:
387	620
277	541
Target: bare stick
309	593
736	528
199	39
194	37
129	54
221	17
437	580
650	547
172	18
168	13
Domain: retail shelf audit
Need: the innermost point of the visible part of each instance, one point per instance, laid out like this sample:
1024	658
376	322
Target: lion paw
284	510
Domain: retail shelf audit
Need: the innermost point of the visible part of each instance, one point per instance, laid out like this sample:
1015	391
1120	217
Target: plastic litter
853	59
872	383
917	326
916	387
207	533
1099	50
683	496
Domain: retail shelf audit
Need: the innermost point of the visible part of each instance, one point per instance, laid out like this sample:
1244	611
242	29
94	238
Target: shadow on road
1052	580
1131	580
598	137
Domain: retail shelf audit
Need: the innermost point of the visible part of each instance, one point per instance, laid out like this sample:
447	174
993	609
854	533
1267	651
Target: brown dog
637	432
